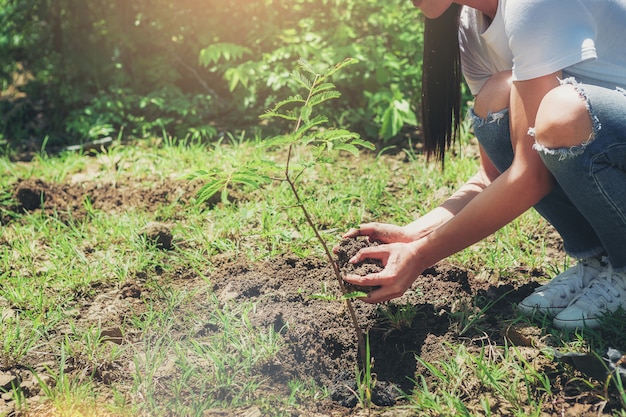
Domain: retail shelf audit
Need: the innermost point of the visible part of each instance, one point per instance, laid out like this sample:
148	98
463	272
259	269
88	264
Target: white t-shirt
585	38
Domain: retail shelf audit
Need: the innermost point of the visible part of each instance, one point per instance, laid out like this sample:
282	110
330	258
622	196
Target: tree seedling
308	131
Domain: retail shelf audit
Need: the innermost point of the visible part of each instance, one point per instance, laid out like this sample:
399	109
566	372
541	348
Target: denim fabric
579	237
593	175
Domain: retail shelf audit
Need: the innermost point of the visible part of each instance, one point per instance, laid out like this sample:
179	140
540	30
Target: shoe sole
532	311
575	324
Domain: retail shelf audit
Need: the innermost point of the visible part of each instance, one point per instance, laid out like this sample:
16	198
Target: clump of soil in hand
345	251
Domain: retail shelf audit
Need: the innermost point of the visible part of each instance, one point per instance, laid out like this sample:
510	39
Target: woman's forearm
520	187
449	208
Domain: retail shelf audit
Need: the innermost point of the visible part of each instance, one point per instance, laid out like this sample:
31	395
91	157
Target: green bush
382	91
79	69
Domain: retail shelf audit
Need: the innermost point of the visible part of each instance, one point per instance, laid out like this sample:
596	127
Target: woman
550	116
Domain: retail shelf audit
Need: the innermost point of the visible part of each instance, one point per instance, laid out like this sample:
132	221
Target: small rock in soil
7	380
7	409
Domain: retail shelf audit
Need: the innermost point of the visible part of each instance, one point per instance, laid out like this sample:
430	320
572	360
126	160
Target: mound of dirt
320	340
78	198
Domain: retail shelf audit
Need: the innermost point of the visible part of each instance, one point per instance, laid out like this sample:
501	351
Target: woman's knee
494	96
562	120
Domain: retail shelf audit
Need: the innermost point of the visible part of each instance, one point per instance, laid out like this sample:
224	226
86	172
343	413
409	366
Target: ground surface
320	343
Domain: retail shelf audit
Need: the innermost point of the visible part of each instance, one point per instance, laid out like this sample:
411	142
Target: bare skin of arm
389	233
453	205
508	196
493	97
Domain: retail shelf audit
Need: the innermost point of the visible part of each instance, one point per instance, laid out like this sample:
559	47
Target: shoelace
601	290
566	283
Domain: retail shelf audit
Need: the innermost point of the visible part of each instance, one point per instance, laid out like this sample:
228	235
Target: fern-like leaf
218	182
302	80
301	132
322	97
227	51
281	140
322	87
305	65
289	115
348	61
363	143
212	187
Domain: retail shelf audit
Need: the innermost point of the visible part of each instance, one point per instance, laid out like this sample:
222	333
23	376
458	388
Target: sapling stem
311	223
309	220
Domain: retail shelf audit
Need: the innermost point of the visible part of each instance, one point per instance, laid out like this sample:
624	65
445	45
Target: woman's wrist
426	224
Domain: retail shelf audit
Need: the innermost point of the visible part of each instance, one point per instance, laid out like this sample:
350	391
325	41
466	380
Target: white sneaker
552	298
605	294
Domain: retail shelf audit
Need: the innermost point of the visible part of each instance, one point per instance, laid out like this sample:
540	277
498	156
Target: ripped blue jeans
588	204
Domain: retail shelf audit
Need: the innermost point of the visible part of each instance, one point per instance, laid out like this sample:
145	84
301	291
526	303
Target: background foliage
75	70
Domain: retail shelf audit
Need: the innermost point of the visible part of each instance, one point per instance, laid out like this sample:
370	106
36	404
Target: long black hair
441	83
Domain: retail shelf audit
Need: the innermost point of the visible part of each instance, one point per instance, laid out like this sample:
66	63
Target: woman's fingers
366	229
397	276
372	252
387	290
369	280
352	233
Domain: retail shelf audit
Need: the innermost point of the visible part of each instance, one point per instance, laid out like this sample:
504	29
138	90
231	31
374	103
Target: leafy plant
219	180
398	317
307	131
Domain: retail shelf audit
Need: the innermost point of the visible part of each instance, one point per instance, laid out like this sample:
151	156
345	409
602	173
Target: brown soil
319	341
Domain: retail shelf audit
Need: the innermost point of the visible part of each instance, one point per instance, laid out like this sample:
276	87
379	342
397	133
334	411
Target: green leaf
363	143
323	86
404	109
348	61
317	120
274	112
338	135
209	189
392	123
197	174
322	97
281	140
212	54
302	80
347	147
305	112
271	115
235	77
306	66
251	178
354	294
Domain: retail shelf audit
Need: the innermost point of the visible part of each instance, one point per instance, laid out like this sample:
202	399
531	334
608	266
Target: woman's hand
379	232
401	268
